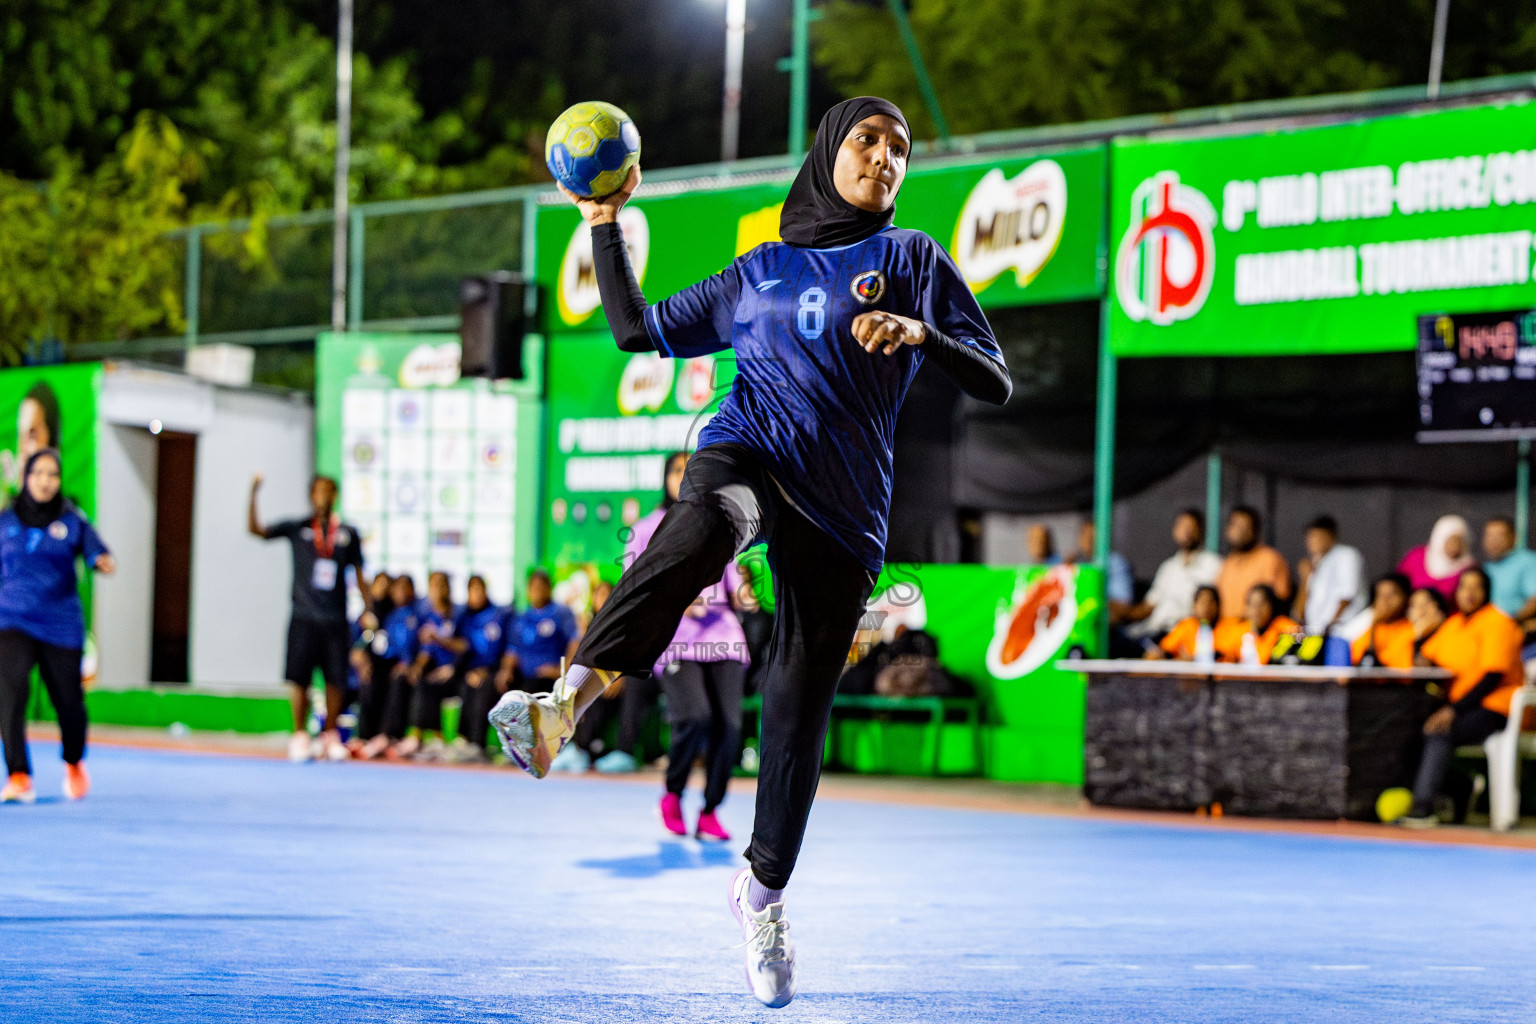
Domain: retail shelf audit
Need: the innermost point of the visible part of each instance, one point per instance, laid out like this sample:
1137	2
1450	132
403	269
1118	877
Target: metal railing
407	256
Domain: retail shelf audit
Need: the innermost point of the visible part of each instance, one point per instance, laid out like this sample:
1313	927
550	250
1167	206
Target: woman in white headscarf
1438	564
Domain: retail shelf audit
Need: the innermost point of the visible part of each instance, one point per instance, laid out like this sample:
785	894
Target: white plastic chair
1503	750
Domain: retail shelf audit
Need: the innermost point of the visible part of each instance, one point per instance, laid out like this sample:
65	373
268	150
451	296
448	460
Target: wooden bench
934	712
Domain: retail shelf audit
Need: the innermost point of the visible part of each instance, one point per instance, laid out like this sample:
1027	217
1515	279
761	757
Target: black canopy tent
1340	428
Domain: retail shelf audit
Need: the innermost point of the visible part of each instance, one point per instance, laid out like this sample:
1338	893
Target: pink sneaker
672	814
710	830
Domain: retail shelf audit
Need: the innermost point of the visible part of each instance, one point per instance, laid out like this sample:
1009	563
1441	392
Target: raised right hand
605	209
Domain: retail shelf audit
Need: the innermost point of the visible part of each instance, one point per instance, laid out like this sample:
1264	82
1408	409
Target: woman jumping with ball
828	328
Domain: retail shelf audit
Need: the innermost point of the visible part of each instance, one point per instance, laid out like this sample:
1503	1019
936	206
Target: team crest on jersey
58	530
868	287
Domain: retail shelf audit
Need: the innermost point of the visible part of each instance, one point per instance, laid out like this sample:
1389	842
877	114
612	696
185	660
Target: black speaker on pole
494	314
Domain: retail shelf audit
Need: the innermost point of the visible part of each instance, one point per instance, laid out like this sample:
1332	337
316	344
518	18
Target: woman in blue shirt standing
828	327
41	620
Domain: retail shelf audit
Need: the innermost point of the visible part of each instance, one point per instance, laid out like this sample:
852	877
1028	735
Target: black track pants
727	502
704	709
1467	727
474	722
60	669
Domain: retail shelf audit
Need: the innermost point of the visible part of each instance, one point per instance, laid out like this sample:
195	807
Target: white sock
759	895
589	684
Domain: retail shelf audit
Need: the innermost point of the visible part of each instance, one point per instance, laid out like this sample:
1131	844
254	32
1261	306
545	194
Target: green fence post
915	55
1104	464
1104	436
1213	501
798	66
530	270
192	290
355	244
1523	493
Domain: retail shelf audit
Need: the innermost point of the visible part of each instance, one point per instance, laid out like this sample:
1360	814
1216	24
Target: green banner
1316	240
1023	229
613	419
54	407
51	407
1004	630
435	470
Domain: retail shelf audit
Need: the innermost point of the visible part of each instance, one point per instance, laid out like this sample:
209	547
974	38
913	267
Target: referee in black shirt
318	637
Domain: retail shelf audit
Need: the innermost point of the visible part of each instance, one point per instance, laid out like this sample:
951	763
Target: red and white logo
1167	256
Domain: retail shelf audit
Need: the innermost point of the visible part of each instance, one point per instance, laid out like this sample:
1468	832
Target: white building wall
241	584
122	612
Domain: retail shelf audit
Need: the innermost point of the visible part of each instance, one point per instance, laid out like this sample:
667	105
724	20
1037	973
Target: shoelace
767	940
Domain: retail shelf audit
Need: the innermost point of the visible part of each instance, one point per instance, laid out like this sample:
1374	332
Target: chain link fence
269	285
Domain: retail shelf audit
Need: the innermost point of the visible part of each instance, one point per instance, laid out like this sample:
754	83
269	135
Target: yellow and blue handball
591	147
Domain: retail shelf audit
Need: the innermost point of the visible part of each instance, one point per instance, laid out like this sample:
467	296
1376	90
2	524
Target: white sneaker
299	747
335	750
770	953
533	727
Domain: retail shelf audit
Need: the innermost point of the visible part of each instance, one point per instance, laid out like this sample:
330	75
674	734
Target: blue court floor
217	888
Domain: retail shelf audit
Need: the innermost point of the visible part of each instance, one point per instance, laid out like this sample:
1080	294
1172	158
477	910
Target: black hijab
29	510
815	216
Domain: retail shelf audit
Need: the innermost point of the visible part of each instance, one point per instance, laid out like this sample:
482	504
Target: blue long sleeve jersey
808	401
483	630
39	586
398	641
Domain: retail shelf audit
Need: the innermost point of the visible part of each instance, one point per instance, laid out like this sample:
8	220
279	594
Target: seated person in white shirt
1171	597
1333	584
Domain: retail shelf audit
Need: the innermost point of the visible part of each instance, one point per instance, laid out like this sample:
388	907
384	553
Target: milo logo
431	366
696	384
1011	224
576	294
646	383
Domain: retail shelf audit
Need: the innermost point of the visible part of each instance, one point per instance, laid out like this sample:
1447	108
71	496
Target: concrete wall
240	584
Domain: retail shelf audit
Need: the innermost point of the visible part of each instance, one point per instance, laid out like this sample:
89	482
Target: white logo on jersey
766	285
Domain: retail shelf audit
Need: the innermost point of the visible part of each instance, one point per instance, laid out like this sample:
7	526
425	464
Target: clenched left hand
887	331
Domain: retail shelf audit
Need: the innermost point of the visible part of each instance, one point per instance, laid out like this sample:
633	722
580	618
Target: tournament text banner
1332	239
613	418
1023	229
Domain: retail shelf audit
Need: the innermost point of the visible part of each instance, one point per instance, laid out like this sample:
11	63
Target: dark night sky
658	59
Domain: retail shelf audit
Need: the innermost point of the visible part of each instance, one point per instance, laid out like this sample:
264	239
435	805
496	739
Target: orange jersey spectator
1181	640
1249	564
1230	643
1392	643
1475	646
1392	638
1261	622
1480	645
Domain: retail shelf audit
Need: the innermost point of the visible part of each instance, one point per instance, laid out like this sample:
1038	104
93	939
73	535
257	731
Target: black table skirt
1265	747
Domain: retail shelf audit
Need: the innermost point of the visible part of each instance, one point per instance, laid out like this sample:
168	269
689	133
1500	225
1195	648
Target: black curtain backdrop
1345	421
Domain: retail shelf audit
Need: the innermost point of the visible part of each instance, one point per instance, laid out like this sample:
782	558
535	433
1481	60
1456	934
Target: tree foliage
86	252
122	118
1015	63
